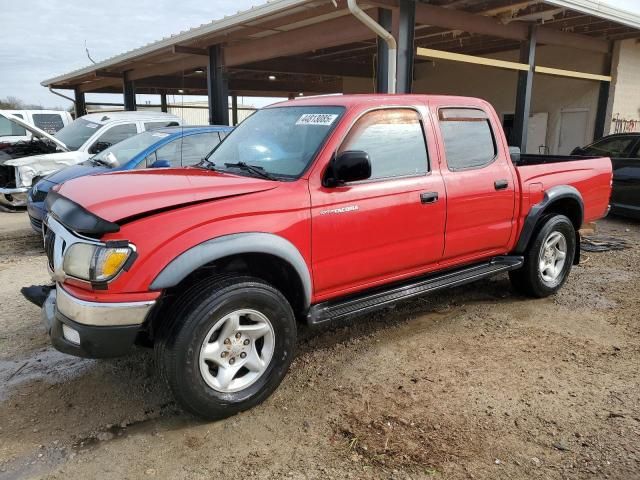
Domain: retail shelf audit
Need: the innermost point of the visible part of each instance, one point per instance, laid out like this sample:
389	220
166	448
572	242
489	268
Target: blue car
164	147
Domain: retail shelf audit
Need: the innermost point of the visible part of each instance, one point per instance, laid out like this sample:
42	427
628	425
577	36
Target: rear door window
468	139
49	122
118	133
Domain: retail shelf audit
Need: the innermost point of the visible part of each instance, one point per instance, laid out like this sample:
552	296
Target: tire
542	273
249	328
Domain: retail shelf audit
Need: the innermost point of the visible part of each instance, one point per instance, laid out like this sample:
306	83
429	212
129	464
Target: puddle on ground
48	364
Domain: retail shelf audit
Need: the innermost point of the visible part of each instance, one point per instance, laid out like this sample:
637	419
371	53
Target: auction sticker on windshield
317	119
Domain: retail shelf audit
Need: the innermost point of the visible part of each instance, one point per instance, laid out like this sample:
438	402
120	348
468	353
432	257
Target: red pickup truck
311	210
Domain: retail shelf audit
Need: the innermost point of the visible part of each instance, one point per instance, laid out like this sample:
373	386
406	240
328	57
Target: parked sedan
164	147
624	150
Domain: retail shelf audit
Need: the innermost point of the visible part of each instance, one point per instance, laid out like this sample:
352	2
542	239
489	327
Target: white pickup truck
75	143
50	121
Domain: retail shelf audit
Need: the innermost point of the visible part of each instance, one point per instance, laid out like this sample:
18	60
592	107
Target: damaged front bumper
13	198
89	329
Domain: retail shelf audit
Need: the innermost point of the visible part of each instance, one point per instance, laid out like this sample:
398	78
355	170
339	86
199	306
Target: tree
14	103
11	103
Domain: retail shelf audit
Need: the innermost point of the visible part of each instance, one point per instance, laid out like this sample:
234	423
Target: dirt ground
473	383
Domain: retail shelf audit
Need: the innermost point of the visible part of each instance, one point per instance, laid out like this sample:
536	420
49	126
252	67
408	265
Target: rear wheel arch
559	200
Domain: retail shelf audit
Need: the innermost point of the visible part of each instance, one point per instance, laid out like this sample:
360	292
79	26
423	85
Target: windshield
77	133
125	150
282	140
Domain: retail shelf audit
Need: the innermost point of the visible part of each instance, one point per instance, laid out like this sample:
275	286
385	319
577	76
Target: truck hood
35	131
34	166
116	196
50	160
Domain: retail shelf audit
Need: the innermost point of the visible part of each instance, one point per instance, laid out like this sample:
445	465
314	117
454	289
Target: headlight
95	263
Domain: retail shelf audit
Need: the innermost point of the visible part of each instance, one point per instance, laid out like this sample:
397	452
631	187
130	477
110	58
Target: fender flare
537	211
252	242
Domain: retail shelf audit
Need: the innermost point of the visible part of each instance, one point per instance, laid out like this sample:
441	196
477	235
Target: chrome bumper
13	197
94	313
91	329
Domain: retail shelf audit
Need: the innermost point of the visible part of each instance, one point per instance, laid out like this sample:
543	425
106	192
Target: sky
46	38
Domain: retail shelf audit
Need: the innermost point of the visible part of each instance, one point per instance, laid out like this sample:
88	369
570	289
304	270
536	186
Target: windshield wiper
97	162
206	163
260	171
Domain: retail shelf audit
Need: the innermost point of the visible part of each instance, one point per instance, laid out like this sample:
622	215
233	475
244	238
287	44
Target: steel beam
523	94
190	50
129	93
332	33
406	35
308	67
80	103
217	87
600	129
382	61
469	22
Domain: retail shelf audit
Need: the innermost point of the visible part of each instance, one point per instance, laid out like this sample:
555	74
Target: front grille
7	176
49	244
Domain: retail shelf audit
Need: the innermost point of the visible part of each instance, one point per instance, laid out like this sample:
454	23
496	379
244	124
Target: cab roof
373	100
105	117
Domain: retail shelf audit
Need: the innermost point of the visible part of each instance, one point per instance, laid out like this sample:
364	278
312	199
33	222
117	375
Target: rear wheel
228	346
548	259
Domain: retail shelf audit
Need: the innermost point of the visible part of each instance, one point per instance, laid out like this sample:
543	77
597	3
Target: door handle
501	184
429	197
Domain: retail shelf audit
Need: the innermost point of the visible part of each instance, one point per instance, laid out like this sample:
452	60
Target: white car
48	120
75	143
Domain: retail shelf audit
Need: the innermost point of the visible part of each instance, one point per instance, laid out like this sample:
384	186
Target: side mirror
98	147
515	153
160	164
348	166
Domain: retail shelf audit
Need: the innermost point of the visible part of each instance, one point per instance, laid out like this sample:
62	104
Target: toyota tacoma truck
310	210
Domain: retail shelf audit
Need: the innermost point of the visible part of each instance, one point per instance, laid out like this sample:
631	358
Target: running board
368	302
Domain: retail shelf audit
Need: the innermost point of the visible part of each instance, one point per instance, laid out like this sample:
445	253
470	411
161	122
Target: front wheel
548	259
229	346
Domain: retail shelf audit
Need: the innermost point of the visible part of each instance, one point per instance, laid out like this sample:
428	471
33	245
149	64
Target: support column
217	88
382	65
234	109
129	92
601	129
163	102
406	50
80	103
523	96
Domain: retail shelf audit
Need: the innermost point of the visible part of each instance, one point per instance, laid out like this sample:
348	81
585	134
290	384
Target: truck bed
525	159
591	176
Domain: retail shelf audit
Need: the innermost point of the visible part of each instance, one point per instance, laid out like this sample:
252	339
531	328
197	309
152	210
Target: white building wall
551	94
624	102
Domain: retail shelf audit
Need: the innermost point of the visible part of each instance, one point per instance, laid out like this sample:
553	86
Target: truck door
389	226
480	185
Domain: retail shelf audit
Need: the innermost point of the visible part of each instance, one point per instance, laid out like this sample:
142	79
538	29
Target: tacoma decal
350	208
